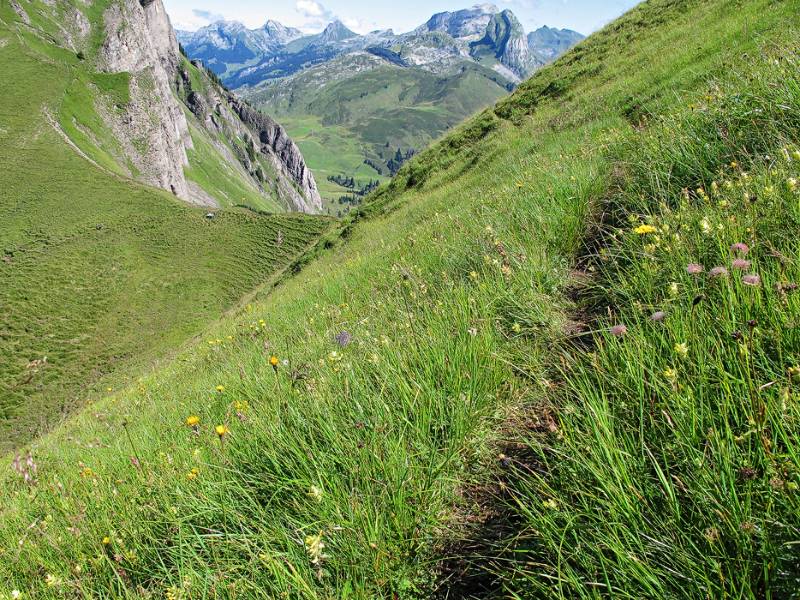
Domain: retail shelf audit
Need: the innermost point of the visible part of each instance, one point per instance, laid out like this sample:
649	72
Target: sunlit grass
438	361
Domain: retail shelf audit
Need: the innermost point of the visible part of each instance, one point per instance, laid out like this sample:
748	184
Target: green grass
472	438
316	141
99	274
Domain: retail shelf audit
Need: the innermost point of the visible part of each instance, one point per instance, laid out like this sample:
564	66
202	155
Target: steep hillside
121	112
556	357
100	274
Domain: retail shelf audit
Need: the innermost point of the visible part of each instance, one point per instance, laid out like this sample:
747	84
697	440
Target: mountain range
378	98
483	34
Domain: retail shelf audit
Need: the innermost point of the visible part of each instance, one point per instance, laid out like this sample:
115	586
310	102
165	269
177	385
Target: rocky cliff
260	146
151	130
154	130
505	36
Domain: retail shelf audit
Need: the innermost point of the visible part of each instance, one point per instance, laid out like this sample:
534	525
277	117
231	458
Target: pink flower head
751	280
658	316
694	269
740	248
718	272
618	330
740	264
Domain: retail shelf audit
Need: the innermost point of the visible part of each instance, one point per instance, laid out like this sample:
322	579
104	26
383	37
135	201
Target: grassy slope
100	274
623	482
358	115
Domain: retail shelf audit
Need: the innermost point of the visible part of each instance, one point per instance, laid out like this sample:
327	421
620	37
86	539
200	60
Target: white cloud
358	25
315	15
207	15
312	9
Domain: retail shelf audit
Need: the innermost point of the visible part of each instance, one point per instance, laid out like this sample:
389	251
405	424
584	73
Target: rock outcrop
505	36
154	131
261	146
153	127
276	144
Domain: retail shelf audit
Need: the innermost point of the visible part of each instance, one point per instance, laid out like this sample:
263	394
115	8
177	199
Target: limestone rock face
139	40
252	136
504	34
153	128
275	142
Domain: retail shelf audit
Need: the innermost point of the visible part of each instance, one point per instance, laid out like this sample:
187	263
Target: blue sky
401	15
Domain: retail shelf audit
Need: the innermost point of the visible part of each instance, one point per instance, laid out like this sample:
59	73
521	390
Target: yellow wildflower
192	420
220	388
221	430
106	541
314	547
193	473
273	360
682	349
644	229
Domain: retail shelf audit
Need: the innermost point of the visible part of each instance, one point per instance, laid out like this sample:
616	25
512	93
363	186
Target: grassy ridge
431	368
99	274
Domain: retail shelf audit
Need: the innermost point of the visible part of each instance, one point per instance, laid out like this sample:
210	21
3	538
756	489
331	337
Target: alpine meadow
553	354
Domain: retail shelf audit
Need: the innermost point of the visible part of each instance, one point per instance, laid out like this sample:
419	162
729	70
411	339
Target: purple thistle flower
718	272
741	264
740	248
694	269
618	330
752	280
658	316
343	338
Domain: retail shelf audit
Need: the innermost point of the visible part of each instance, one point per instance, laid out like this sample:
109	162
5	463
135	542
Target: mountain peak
549	42
468	23
224	25
279	32
336	31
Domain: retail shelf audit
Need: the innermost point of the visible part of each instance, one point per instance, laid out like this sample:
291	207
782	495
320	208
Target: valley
376	98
